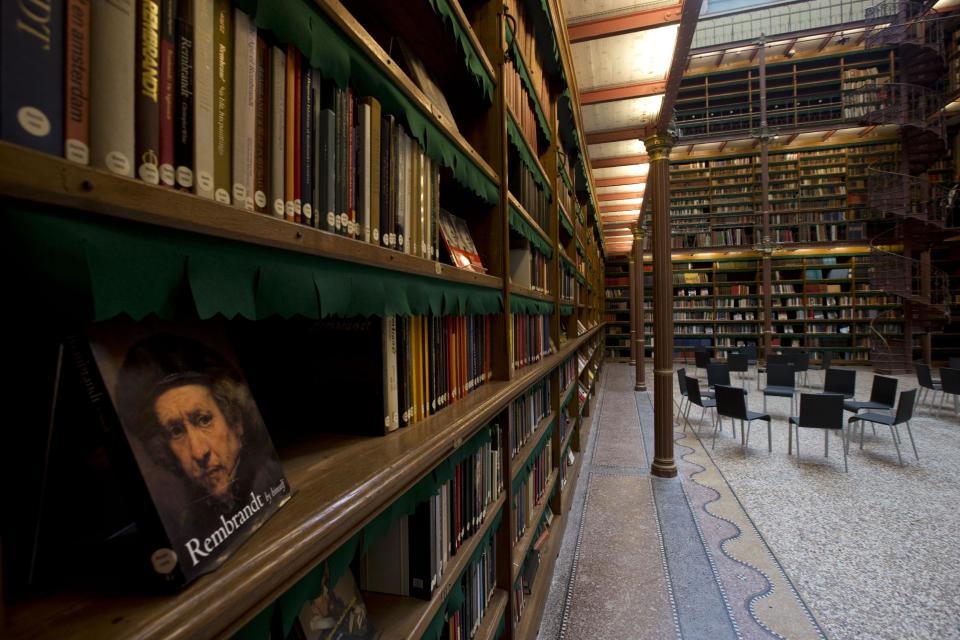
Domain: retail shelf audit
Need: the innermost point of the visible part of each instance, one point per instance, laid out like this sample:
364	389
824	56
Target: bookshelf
508	147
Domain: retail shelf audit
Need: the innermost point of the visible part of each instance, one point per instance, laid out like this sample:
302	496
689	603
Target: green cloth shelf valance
580	249
96	268
521	67
301	23
580	278
567	265
566	224
566	309
519	224
532	306
526	156
546	38
471	58
579	210
565	177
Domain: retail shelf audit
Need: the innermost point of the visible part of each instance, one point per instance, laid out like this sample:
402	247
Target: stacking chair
781	383
718	373
819	411
926	382
738	363
801	362
825	361
701	359
682	386
953	363
842	381
950	385
903	415
883	395
772	359
694	398
732	403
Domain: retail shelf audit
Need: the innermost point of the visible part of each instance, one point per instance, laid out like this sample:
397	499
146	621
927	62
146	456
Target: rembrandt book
179	418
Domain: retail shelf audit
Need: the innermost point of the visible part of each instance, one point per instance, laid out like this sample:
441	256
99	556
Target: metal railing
907	196
899	22
907	105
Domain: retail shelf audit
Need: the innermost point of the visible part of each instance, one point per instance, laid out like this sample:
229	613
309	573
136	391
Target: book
222	97
173	398
338	613
278	136
31	74
148	91
261	138
297	108
203	98
424	81
290	131
76	143
112	72
167	79
307	76
244	109
184	123
326	158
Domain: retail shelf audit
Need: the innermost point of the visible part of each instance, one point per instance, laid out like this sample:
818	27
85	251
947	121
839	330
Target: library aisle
719	552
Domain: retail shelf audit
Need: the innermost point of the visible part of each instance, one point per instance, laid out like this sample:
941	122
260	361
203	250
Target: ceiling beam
867	131
624	92
827	40
619	182
623	195
619	135
601	26
753	56
829	135
688	24
620	161
612	208
720	59
790	45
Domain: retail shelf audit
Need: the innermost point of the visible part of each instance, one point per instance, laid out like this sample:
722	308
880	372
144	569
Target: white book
404	224
391	410
244	108
112	85
278	98
203	98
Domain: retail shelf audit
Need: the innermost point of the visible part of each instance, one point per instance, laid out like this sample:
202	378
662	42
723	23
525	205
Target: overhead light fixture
789	52
843	39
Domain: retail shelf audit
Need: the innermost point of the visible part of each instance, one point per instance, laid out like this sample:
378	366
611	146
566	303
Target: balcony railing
907	196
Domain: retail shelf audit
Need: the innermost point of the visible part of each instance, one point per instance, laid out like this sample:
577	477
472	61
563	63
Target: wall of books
314	324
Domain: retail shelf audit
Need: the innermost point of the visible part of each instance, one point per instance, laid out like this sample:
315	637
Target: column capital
637	232
659	145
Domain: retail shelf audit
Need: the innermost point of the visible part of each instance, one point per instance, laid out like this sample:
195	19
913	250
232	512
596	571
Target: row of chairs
821	411
948	384
740	360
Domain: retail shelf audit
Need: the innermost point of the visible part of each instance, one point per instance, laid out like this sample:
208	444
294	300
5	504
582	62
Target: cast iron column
766	243
658	148
633	303
637	312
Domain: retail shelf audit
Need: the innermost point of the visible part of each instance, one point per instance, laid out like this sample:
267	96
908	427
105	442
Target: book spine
327	158
306	144
373	199
262	157
148	91
363	171
223	93
113	46
168	75
289	127
203	97
316	179
76	142
244	108
278	136
31	74
183	115
297	109
391	418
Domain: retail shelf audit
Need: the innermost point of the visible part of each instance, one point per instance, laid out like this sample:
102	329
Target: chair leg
912	443
769	436
789	438
764	402
716	427
746	441
896	444
846	469
826	452
798	443
861	433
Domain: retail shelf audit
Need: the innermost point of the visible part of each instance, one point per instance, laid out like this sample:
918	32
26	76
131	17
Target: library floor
749	544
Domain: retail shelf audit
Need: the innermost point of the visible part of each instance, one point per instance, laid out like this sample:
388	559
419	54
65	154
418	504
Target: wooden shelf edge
533	612
496	609
531	293
517	461
409	617
520	548
41	178
526	216
533	152
354	30
474	40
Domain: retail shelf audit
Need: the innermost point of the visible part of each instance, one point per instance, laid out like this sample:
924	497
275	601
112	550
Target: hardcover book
174	398
168	78
203	97
112	85
148	91
223	101
76	144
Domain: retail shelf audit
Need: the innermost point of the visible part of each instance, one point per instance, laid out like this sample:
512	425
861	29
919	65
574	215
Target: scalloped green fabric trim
566	224
471	58
567	265
526	156
521	67
522	304
580	278
580	248
580	217
327	48
546	38
95	268
565	178
566	309
519	224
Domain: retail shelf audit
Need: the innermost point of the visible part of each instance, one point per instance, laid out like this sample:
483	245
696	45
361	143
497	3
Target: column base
640	386
663	468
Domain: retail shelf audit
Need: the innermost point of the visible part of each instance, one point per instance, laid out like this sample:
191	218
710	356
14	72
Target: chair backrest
693	391
777	359
924	379
950	380
954	363
731	402
682	381
737	362
718	373
699	347
781	375
802	361
905	406
843	381
826	359
701	358
884	390
821	410
750	351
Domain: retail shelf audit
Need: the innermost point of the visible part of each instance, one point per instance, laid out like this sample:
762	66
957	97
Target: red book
168	71
77	75
297	151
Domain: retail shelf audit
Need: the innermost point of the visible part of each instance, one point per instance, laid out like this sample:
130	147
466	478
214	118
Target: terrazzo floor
749	544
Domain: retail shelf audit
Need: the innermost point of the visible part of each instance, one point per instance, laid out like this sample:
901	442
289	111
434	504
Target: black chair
950	384
883	395
772	359
926	382
682	386
750	351
953	363
903	415
819	411
701	359
780	383
694	398
825	361
738	363
842	381
732	403
801	362
718	373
